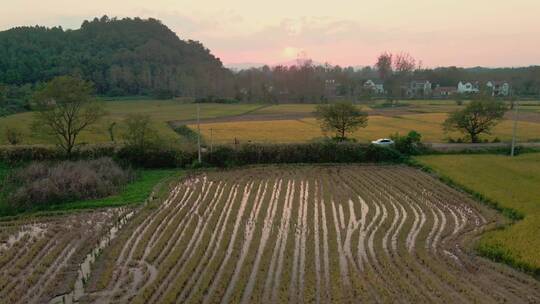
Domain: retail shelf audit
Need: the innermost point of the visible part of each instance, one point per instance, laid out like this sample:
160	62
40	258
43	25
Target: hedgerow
220	156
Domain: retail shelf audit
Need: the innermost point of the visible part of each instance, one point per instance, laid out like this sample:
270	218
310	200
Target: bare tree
384	65
404	64
394	70
65	108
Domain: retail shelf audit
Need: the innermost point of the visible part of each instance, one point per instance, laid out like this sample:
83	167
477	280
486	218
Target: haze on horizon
439	33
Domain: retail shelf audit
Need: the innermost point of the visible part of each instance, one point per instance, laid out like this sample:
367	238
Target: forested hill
122	57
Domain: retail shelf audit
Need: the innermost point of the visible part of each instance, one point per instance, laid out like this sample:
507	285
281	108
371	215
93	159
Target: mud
379	233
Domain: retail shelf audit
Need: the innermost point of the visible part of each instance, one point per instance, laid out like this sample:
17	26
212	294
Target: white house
468	87
420	88
331	88
498	88
444	91
376	87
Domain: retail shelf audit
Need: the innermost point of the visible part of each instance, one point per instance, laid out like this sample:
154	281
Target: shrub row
345	152
214	99
26	153
40	183
221	156
185	132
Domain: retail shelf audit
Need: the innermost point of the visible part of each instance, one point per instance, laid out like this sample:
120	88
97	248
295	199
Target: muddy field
46	257
296	234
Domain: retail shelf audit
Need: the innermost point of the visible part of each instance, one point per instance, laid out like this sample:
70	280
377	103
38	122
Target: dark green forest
120	56
143	57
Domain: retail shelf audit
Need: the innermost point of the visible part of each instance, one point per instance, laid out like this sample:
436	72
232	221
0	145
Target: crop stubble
310	234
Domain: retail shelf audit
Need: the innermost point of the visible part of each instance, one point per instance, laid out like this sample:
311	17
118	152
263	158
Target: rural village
193	152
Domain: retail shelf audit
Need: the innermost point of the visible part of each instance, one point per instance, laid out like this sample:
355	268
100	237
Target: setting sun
181	151
291	52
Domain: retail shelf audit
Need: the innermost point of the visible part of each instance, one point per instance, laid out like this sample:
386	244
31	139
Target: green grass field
511	182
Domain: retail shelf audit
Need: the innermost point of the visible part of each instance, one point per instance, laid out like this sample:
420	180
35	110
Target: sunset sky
437	32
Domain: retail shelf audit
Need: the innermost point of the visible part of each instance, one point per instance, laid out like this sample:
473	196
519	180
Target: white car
383	142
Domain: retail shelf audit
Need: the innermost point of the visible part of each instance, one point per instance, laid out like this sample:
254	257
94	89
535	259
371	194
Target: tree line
478	117
134	56
307	82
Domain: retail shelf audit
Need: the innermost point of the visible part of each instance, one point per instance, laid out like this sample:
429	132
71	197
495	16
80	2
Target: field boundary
498	253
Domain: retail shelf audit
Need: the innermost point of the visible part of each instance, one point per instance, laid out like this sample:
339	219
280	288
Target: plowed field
330	234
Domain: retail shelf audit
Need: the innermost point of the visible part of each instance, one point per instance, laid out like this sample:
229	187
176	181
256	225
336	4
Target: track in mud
322	234
40	258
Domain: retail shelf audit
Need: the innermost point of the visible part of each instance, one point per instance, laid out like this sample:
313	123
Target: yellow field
427	122
287	109
294	109
512	182
160	112
287	131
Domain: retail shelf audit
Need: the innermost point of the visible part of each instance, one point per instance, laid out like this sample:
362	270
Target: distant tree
13	136
3	93
404	64
478	117
384	65
65	108
139	134
341	118
395	70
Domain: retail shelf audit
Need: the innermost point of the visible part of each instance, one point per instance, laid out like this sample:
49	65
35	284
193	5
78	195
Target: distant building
376	87
420	88
498	88
444	91
331	88
468	87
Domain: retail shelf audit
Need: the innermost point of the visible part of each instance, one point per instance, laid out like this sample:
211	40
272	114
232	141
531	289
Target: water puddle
33	230
85	266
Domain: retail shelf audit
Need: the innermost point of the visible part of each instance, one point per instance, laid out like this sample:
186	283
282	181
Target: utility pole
199	132
514	131
211	140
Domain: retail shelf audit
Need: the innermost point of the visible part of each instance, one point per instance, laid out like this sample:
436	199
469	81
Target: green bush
409	144
25	153
222	156
155	157
213	99
20	154
186	132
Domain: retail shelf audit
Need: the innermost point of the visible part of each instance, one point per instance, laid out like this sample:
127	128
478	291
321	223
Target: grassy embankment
513	183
